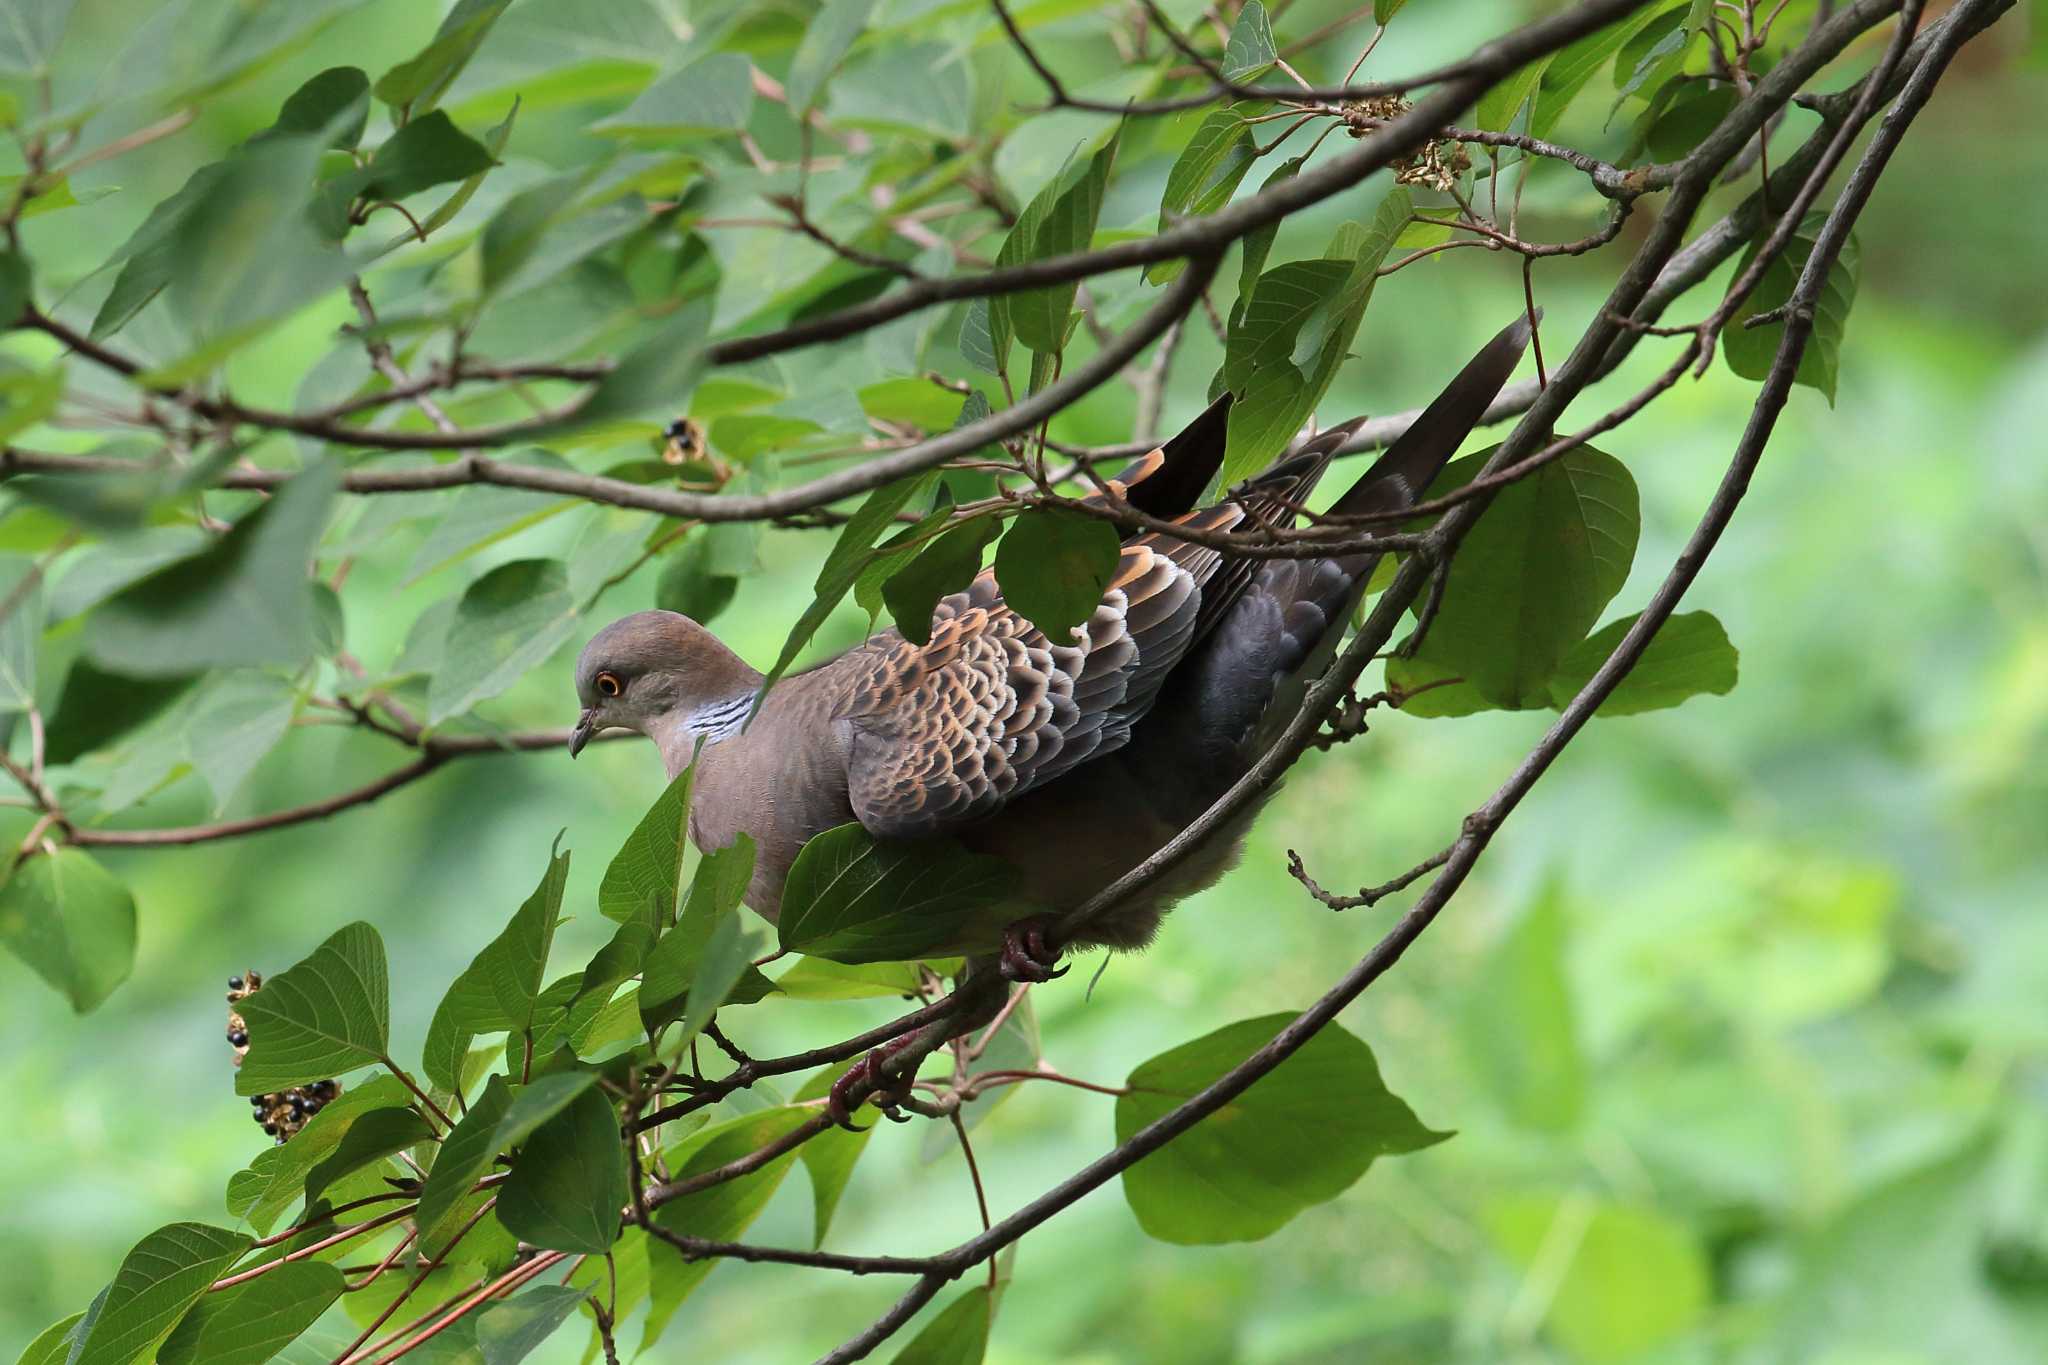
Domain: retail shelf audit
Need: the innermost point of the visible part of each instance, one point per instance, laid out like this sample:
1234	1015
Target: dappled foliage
577	307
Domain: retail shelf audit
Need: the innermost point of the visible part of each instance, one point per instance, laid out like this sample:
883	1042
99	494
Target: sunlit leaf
1522	1028
328	1014
1627	1280
276	1178
1208	170
1060	219
829	1158
500	989
720	1212
1689	656
372	1137
161	1278
255	1320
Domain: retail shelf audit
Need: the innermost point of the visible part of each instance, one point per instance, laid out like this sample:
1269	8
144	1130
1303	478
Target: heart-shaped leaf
328	1014
1302	1135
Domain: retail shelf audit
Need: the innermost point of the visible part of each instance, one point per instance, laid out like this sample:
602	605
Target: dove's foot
868	1079
1028	951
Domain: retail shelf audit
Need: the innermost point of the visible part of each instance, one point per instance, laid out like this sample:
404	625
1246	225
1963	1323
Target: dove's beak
586	726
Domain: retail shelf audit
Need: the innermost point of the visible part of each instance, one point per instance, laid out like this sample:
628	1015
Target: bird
1074	760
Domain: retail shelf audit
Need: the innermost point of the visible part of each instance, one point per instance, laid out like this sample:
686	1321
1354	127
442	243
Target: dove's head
663	675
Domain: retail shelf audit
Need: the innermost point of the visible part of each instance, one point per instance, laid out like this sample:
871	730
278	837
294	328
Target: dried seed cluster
1436	165
283	1112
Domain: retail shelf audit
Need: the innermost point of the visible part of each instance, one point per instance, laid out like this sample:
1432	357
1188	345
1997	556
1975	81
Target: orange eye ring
608	684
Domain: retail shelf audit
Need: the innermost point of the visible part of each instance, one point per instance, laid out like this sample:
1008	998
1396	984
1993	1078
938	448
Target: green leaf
1627	1280
273	1182
1302	1135
1499	106
959	1335
149	258
1383	10
328	1014
1570	70
98	708
1521	1029
159	1280
371	1137
827	36
849	555
27	397
1531	577
238	722
1690	656
673	969
29	33
21	631
73	924
16	291
658	375
690	585
985	337
817	978
1209	169
1750	350
318	107
711	95
254	1321
1258	244
943	567
1250	52
854	900
419	82
500	990
1294	332
1053	567
428	151
508	622
465	1156
569	1180
1694	111
52	1345
720	1213
1060	219
829	1158
506	1333
246	254
642	882
498	1119
245	600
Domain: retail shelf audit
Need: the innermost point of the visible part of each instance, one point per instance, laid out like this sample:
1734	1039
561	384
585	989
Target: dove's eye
608	683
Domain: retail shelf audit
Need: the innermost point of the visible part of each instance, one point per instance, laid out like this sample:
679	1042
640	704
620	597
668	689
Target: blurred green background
1743	1023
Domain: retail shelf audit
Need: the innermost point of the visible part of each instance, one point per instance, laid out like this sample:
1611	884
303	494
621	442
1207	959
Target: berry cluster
282	1113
